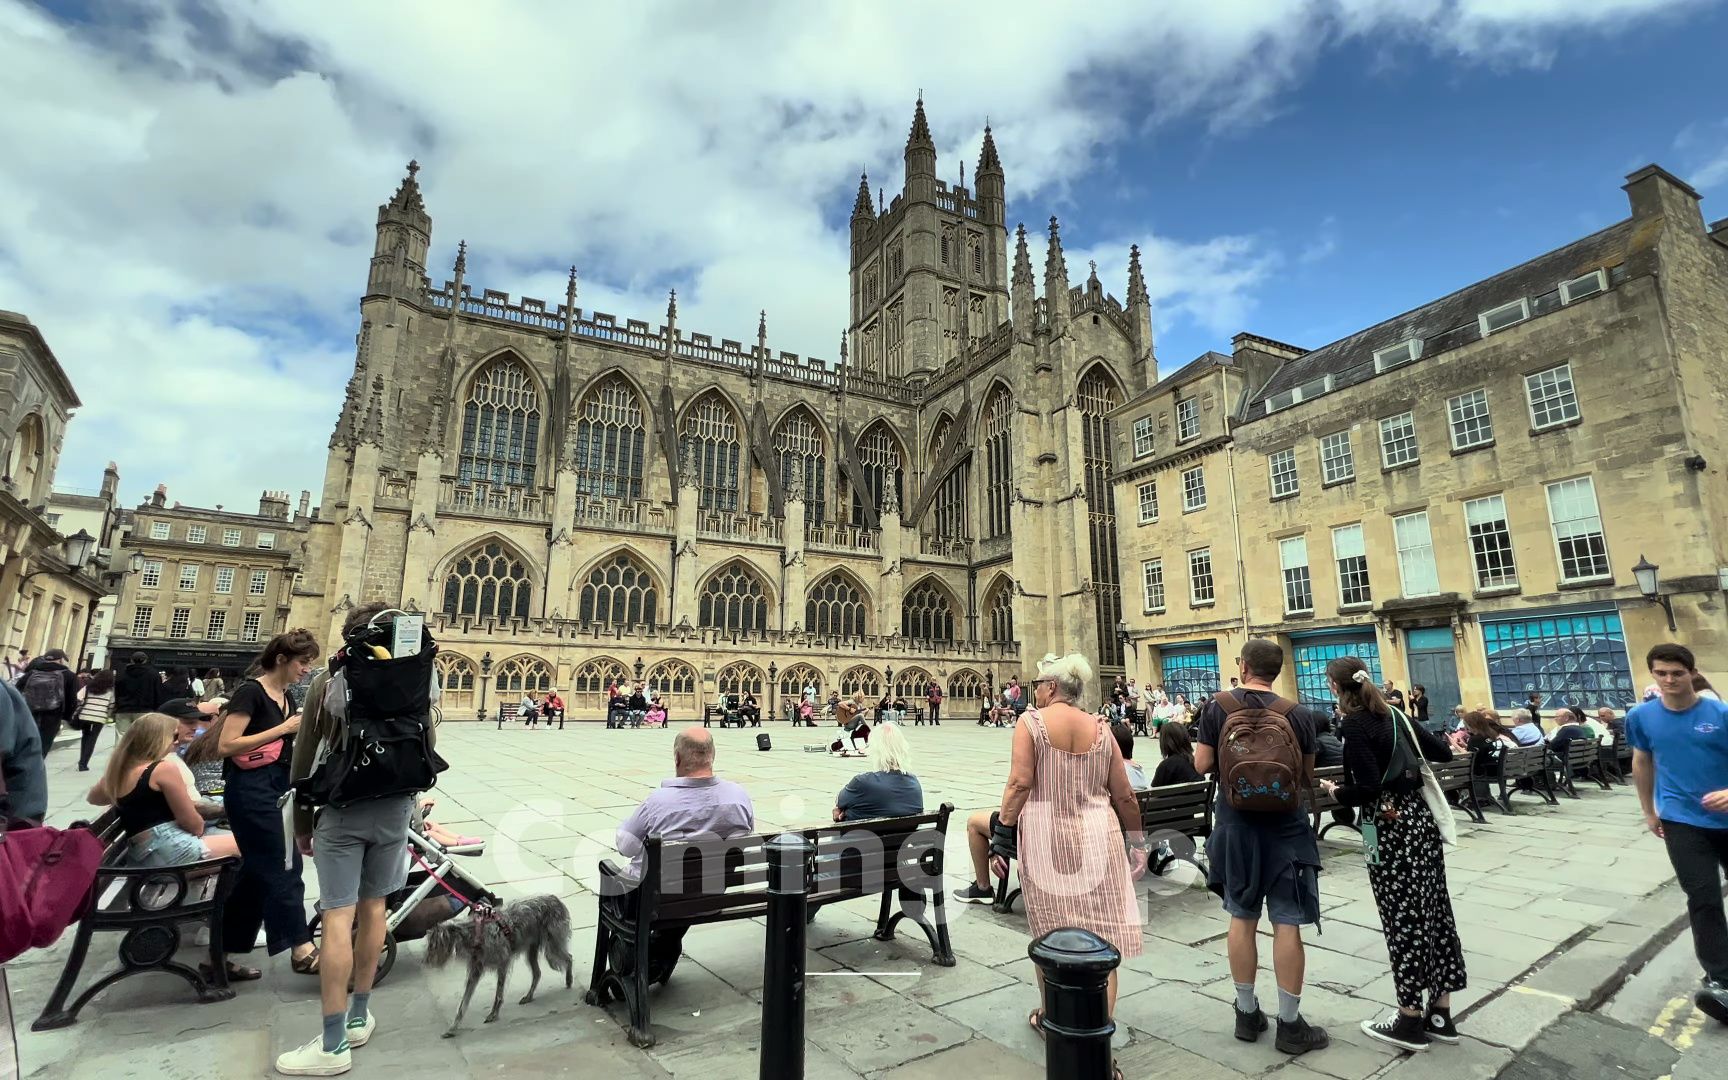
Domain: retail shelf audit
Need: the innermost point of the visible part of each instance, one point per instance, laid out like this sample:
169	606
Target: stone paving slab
549	802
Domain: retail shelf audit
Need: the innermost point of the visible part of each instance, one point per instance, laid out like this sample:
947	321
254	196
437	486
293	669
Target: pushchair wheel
386	955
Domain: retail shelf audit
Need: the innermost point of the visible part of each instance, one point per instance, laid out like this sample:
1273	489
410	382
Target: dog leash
481	912
424	865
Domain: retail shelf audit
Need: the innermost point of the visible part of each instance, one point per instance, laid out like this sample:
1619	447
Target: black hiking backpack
382	710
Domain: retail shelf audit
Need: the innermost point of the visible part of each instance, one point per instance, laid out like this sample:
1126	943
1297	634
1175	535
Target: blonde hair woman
1068	794
890	789
144	784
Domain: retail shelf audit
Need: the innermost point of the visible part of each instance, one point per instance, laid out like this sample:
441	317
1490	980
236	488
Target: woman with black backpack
1383	752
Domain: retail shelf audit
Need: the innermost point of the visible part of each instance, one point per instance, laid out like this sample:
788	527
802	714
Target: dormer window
1306	392
1496	319
1394	355
1579	287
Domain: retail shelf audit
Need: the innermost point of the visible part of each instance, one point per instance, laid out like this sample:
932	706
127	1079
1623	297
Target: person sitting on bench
750	711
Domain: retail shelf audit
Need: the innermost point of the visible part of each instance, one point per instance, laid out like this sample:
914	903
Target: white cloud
1704	153
187	199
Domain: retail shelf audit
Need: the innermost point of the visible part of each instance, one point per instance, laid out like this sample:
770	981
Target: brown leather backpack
1260	762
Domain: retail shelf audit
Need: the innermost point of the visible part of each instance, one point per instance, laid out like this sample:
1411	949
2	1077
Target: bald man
694	803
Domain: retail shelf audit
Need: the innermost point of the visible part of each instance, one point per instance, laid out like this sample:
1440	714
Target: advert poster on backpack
407	635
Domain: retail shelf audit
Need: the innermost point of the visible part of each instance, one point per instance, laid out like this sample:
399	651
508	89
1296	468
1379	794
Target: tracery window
741	678
500	426
489	582
835	606
711	431
795	678
1097	395
674	685
455	683
998	467
999	611
913	684
798	444
733	598
880	456
520	674
926	614
592	679
610	435
619	592
966	685
866	679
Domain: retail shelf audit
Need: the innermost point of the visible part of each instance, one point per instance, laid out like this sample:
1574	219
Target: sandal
1115	1070
236	972
305	965
1035	1020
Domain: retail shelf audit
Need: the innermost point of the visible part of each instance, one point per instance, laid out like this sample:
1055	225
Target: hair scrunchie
1360	676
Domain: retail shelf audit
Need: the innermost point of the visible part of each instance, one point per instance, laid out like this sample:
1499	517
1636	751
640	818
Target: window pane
1416	555
1283	468
1398	440
1471	425
1567	661
1336	461
1552	397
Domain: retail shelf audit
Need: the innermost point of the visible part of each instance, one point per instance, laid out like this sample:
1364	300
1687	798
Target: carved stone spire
1022	257
672	307
570	304
890	495
1136	280
919	136
862	208
988	162
461	259
372	428
1055	264
762	333
407	199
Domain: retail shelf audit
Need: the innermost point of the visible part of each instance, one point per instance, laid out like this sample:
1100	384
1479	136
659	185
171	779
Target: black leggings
87	743
266	894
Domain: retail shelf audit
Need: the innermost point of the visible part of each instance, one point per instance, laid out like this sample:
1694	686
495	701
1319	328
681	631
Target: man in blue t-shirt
1680	765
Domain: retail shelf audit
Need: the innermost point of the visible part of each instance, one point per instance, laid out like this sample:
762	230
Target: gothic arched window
733	598
948	509
999	611
798	444
619	592
926	614
593	677
795	678
520	674
966	685
489	582
455	683
880	456
913	684
711	430
1097	396
741	677
998	466
674	685
500	425
835	606
861	678
610	435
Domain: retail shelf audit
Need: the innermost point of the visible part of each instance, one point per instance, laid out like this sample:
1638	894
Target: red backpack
1260	761
45	879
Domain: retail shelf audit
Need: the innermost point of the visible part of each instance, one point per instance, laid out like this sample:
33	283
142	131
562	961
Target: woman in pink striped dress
1068	794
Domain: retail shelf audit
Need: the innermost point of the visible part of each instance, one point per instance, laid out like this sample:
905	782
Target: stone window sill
1462	450
1400	467
1285	496
1351	479
1562	425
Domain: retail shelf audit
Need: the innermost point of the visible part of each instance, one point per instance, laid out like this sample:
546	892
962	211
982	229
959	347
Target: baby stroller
437	889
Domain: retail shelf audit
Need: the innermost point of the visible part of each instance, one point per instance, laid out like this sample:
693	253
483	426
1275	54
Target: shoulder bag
45	882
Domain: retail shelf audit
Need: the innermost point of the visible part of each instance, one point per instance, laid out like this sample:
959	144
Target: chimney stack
274	505
305	505
160	496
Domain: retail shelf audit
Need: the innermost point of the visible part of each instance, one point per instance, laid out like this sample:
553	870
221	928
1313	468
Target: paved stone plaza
1576	892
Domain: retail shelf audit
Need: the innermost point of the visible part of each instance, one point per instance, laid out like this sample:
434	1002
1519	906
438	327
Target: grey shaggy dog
535	923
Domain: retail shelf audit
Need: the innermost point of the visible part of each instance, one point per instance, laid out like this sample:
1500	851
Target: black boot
1298	1036
1712	1000
1249	1025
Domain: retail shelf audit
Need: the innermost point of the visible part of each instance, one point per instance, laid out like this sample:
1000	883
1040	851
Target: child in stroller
437	889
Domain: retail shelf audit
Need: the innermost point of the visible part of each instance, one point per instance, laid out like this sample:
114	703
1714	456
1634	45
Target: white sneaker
358	1033
311	1060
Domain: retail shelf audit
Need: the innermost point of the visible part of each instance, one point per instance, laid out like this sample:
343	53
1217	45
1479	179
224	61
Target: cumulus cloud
187	202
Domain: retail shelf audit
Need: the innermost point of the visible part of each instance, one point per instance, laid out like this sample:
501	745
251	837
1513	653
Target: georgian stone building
575	498
1459	494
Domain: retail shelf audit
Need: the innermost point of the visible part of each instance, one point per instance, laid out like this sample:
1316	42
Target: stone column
792	578
892	586
561	567
684	547
422	556
350	585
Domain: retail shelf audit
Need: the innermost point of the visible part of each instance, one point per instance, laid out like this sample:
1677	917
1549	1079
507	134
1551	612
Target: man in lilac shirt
695	803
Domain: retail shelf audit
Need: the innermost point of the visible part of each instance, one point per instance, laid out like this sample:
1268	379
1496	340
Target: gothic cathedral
575	498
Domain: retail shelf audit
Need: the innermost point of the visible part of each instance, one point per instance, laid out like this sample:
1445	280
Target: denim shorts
1292	900
361	851
166	845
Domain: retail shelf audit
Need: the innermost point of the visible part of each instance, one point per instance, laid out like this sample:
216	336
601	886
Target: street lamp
79	547
1648	581
772	686
485	674
638	667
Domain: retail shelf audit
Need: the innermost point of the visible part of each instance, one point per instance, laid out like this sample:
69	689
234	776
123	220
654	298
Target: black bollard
1076	965
783	960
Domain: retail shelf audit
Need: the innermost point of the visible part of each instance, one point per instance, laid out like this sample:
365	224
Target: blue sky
192	223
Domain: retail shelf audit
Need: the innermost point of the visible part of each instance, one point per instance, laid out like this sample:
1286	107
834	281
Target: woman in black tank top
147	786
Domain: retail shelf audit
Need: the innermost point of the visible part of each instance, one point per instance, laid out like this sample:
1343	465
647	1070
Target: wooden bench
1522	763
1582	756
1608	765
1456	775
151	906
1321	804
898	858
733	717
1174	808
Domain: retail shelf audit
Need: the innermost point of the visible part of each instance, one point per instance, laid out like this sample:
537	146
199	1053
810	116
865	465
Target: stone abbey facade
574	497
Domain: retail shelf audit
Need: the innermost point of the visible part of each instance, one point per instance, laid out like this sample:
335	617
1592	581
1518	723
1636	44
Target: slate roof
1187	371
1450	321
